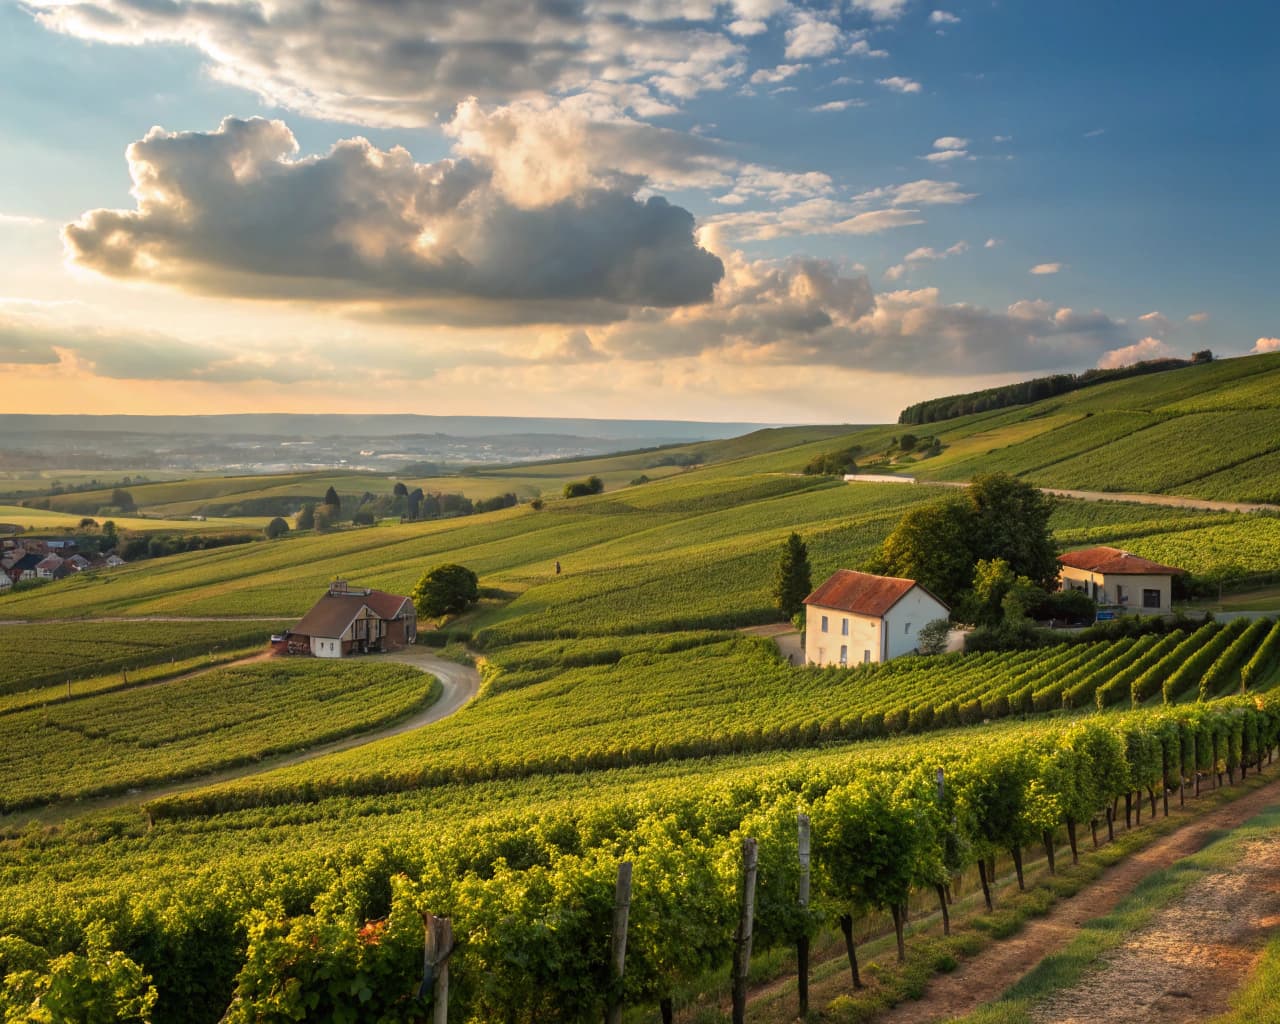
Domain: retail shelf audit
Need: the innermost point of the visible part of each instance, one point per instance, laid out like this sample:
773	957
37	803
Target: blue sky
757	209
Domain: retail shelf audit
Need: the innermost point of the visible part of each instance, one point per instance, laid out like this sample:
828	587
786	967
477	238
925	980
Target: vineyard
621	719
32	656
110	743
549	708
342	928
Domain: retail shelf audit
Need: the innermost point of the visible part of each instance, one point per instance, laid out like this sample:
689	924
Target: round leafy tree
444	590
276	528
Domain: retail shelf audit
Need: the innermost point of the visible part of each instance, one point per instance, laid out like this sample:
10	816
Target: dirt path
1187	962
460	683
1169	500
984	977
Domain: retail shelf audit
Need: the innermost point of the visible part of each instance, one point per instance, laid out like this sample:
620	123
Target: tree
109	533
582	488
306	519
276	528
1012	522
444	590
122	500
792	584
400	490
415	502
1203	356
931	545
932	638
332	500
88	523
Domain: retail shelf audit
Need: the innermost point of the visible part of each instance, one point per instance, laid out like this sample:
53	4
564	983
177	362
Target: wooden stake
742	940
802	943
618	940
437	947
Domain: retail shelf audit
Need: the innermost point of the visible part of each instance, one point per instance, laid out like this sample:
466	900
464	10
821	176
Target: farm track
147	618
459	683
982	978
1167	500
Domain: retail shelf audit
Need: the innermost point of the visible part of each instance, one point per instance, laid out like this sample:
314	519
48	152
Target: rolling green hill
619	716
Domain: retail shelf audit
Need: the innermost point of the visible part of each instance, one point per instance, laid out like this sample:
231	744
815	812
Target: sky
752	210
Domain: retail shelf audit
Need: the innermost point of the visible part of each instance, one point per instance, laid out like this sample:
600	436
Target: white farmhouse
1114	577
856	617
6	581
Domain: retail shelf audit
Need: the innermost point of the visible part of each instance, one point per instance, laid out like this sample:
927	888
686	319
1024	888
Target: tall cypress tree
792	584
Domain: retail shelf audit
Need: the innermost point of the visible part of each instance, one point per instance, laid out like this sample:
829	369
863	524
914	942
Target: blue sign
1106	616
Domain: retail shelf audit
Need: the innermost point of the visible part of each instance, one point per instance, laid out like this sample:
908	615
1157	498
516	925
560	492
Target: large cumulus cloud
807	312
405	63
236	212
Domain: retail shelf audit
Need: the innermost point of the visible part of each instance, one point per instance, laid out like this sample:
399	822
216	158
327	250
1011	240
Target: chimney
338	587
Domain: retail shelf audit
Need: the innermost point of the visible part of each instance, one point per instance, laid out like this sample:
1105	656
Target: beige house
1114	577
855	618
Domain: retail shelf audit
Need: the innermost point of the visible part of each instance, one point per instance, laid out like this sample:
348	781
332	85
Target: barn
353	620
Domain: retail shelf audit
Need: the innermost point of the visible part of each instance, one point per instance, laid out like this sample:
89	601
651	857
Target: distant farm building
856	618
349	620
1120	579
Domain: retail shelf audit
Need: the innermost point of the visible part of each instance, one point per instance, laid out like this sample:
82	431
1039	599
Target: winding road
459	685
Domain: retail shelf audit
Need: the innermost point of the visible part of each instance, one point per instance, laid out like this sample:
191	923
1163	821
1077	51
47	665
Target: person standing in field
557	567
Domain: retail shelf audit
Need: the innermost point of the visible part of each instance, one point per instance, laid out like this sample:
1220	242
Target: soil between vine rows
982	978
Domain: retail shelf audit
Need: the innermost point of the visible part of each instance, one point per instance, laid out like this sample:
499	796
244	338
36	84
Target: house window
824	623
866	657
907	630
844	627
1150	598
1121	597
844	654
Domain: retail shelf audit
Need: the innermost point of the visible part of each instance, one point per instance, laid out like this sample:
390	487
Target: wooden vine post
437	948
618	941
802	942
941	887
742	939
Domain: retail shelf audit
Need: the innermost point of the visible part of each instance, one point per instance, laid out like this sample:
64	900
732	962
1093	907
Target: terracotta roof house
1121	579
856	618
350	620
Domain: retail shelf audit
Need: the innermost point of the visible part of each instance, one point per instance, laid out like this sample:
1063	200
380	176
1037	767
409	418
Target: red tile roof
335	611
1114	562
862	593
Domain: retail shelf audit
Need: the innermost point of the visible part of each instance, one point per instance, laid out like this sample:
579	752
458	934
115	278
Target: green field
621	717
39	520
54	652
229	716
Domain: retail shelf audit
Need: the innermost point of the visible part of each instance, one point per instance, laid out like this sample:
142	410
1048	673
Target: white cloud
1095	133
811	36
941	156
895	272
900	84
21	220
837	105
1047	268
777	74
943	18
991	243
881	10
237	212
1002	138
1147	348
1156	322
924	192
414	61
929	253
1198	318
861	48
1266	345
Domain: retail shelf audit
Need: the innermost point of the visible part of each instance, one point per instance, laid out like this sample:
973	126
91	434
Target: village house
6	581
349	620
24	567
857	618
1113	577
47	567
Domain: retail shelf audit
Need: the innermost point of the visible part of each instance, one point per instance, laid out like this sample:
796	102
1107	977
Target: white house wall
904	619
862	641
